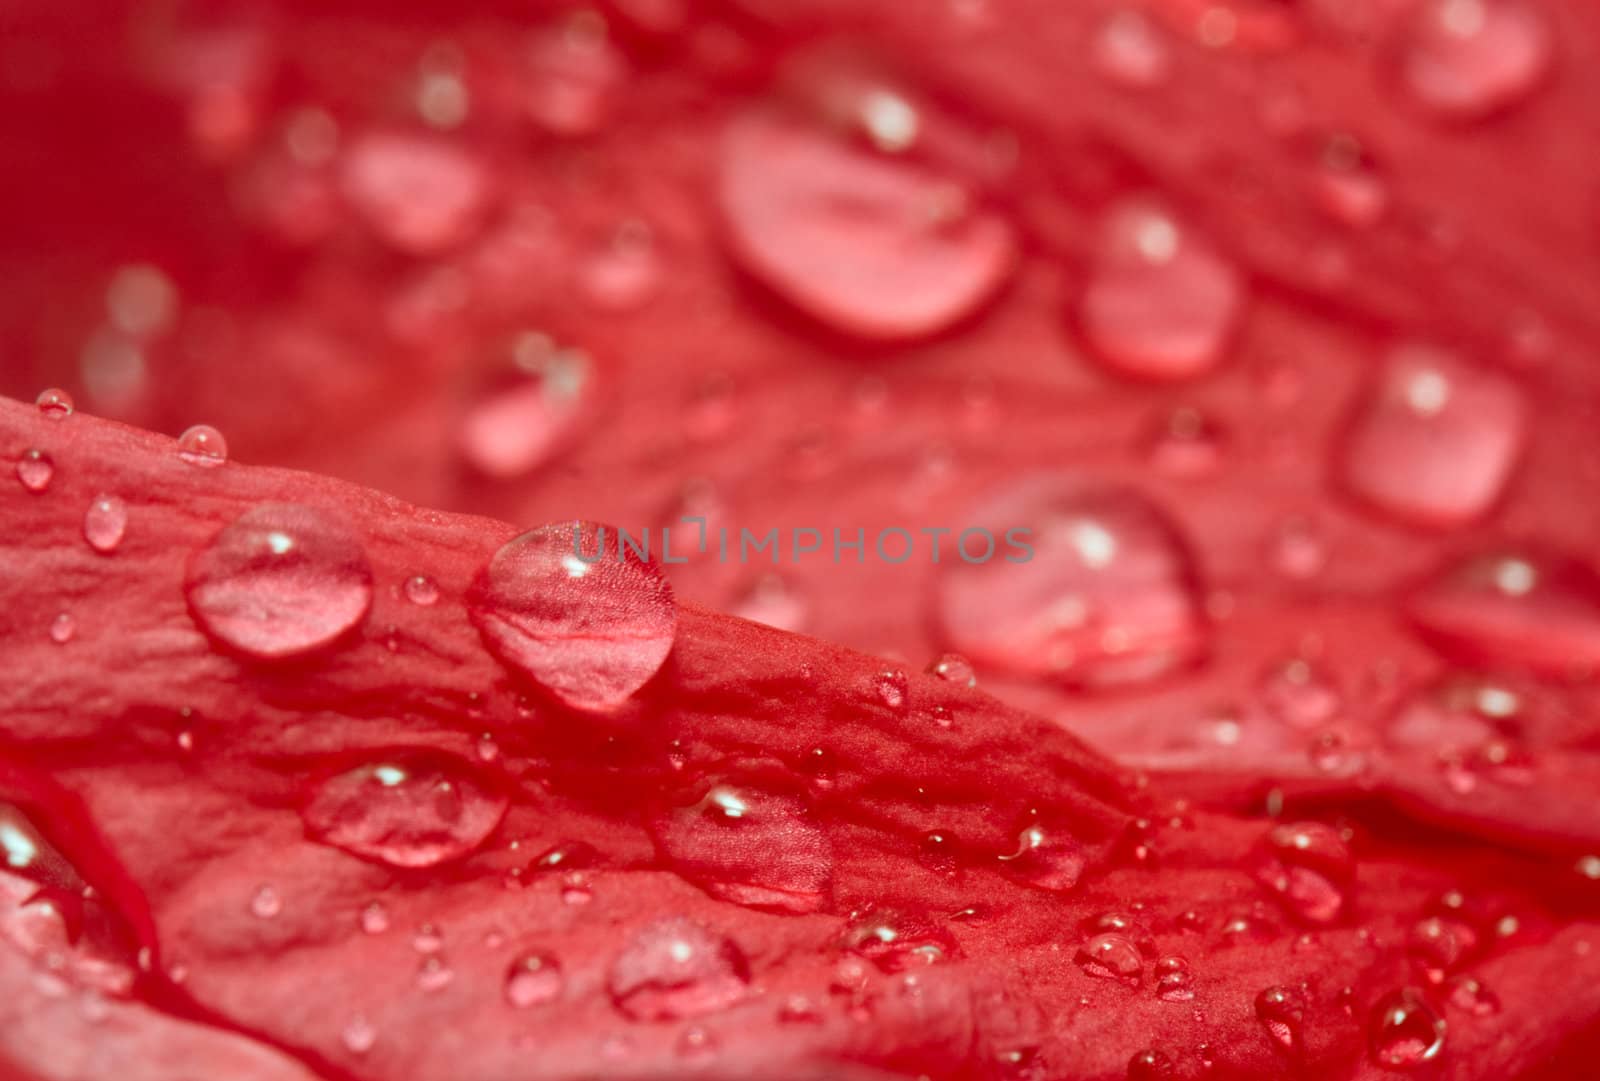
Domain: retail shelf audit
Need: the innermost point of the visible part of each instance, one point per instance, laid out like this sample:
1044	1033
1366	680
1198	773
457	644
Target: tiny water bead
1465	59
1106	594
203	445
358	1035
421	590
675	968
1160	303
55	403
105	523
1282	1011
1348	187
532	980
63	628
280	581
1405	1031
265	903
1470	995
35	470
1436	440
415	810
573	609
1112	956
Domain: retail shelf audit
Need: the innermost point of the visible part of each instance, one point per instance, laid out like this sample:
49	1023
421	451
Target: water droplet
1151	1065
675	968
696	1043
532	980
749	846
1298	550
954	668
280	581
1465	59
35	469
141	301
358	1035
1439	944
575	77
772	601
1533	611
1130	50
874	246
1106	594
1112	956
63	628
1282	1010
897	941
421	590
1468	993
1436	439
528	413
203	445
433	974
891	687
374	919
1160	302
427	939
1309	868
55	403
1186	443
416	810
1405	1031
591	633
624	272
1049	859
1174	980
265	903
1348	187
420	194
1299	694
104	523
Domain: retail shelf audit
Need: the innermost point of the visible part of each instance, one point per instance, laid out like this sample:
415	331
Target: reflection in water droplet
35	469
1107	597
591	633
203	445
675	968
532	980
1405	1032
1468	58
414	811
104	523
280	581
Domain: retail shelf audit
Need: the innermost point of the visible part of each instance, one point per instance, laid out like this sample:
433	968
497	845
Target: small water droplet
417	810
696	1043
265	903
1468	58
675	968
434	974
1309	868
1186	443
954	668
104	523
1160	302
358	1035
374	919
533	979
1298	550
421	590
1112	956
624	272
591	633
529	411
203	445
1348	187
1174	980
1405	1031
55	403
891	689
420	194
1300	694
1438	944
427	939
63	628
280	581
1469	994
1049	859
1151	1065
35	469
897	941
1282	1011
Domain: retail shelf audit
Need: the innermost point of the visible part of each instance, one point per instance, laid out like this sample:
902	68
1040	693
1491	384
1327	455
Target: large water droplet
676	968
874	246
1107	597
1539	612
1405	1031
1468	58
203	445
282	580
1112	956
35	469
1309	867
420	194
591	633
105	522
1436	439
55	403
1282	1010
525	416
897	941
1160	302
412	811
533	979
749	846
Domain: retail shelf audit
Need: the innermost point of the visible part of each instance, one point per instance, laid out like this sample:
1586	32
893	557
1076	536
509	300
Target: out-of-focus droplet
54	403
1520	610
953	668
575	77
577	611
1298	550
374	919
442	98
63	629
1129	49
105	522
420	194
1104	595
413	811
624	272
266	903
1160	302
675	968
203	445
1405	1031
533	980
772	601
1465	59
358	1035
1299	693
1347	186
35	469
141	301
1186	443
280	581
1436	440
875	247
1470	995
526	416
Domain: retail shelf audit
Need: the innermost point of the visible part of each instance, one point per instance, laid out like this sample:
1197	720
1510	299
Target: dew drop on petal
1470	995
203	445
1464	59
1436	439
1130	50
575	76
421	590
358	1035
590	628
1309	868
434	973
265	903
522	418
532	980
1107	597
55	403
1347	186
1174	980
891	688
1160	302
675	968
1049	859
35	470
953	668
63	628
1186	443
416	810
374	919
420	194
898	941
1151	1065
1282	1011
282	580
104	523
1405	1031
1112	956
